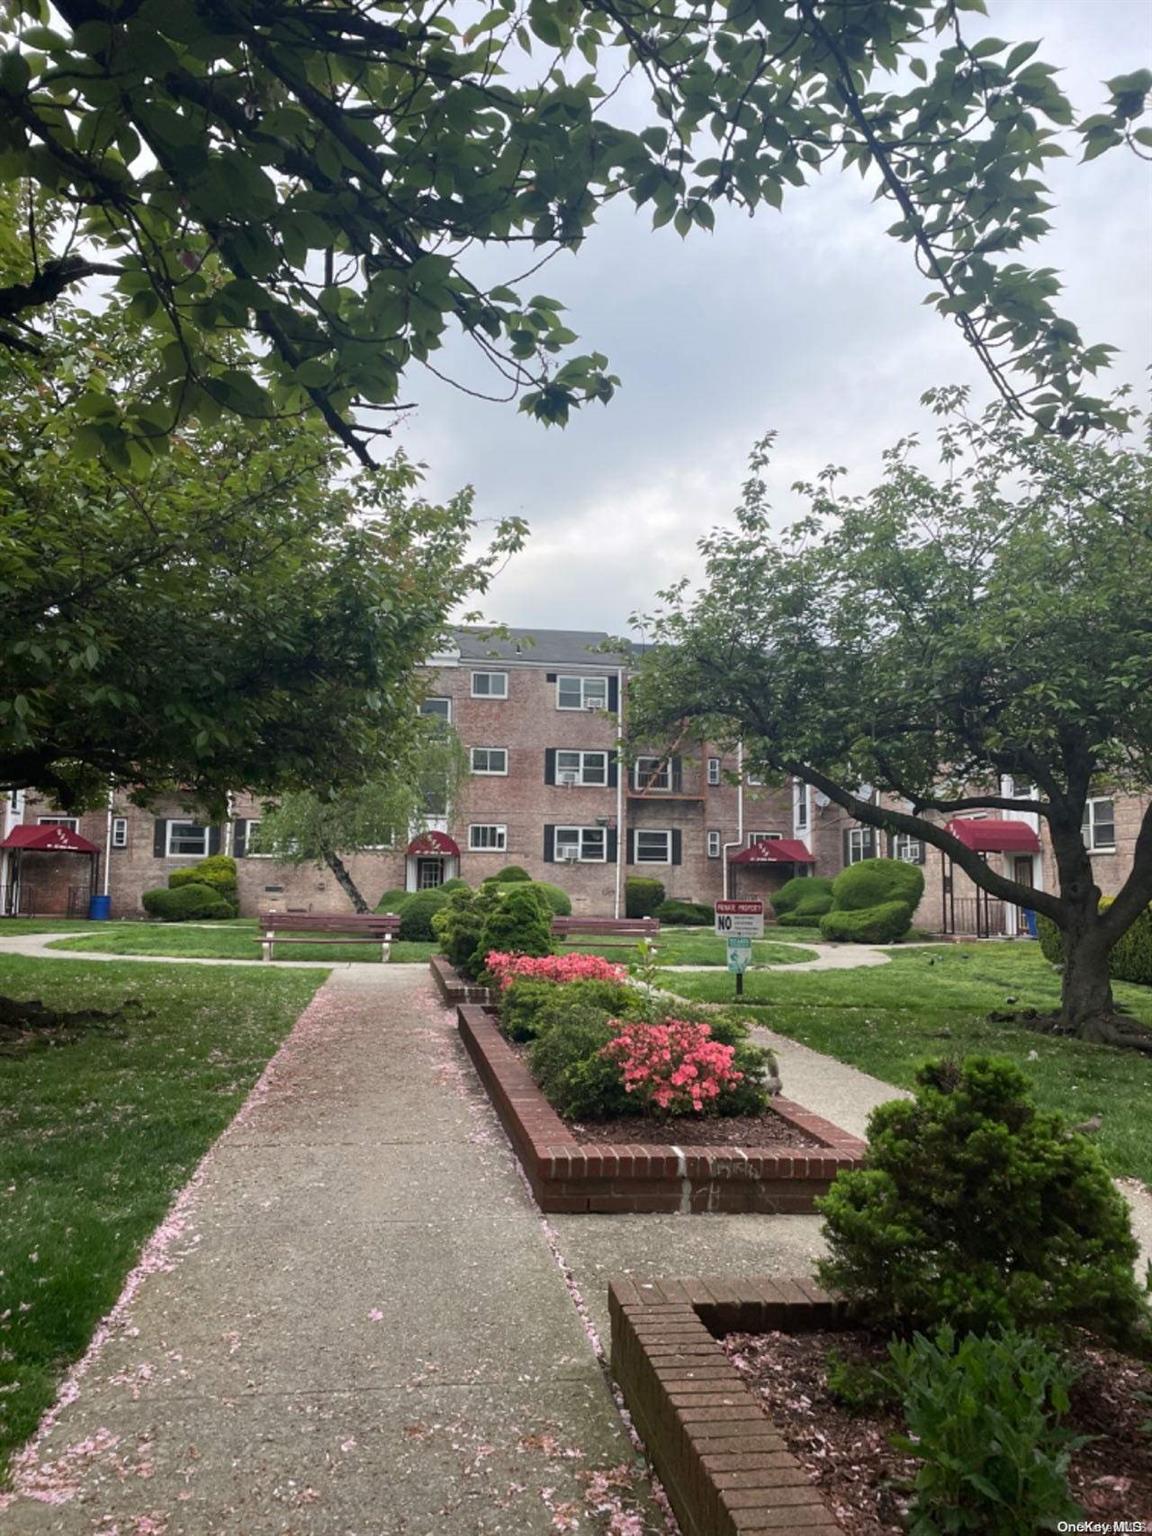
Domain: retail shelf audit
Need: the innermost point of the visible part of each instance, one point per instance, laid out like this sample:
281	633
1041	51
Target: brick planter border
453	988
723	1464
568	1176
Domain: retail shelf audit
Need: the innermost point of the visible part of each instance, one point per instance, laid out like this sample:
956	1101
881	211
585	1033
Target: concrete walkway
353	1323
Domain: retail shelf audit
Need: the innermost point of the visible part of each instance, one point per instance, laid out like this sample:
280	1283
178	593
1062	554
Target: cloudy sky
809	321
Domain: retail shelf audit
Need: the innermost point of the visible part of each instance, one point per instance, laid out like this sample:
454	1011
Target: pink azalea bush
675	1067
560	968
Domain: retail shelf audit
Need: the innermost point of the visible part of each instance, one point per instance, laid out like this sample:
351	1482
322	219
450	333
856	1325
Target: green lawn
889	1019
223	941
98	1133
700	946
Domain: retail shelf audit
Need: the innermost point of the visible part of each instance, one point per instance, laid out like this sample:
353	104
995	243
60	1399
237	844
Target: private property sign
740	919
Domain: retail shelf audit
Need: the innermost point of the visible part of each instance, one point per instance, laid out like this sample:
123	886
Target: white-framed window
653	847
590	844
252	849
908	848
713	845
1021	788
438	709
589	768
859	844
754	780
653	773
487	838
187	840
489	685
713	770
764	837
119	831
71	822
800	805
581	693
1100	825
490	760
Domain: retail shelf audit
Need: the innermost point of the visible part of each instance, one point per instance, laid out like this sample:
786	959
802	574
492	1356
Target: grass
934	1002
235	940
699	946
97	1134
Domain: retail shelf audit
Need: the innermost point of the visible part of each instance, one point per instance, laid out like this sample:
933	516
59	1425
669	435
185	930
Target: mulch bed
850	1457
28	1025
767	1130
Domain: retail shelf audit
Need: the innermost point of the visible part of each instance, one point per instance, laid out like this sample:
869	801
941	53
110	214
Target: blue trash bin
1030	922
99	908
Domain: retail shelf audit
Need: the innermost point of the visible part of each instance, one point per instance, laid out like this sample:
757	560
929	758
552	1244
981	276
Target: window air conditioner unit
592	707
568	856
568	780
602	821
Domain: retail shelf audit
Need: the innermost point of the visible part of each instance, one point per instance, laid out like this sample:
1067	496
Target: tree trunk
1086	1004
336	864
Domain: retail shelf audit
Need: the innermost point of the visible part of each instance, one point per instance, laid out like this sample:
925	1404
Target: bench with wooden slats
327	928
605	932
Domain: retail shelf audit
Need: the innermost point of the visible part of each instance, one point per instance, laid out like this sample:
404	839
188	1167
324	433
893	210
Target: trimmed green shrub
884	924
458	926
566	1062
642	895
455	884
417	912
528	1007
510	874
983	1418
873	881
1131	956
801	902
686	913
184	903
976	1209
218	871
558	900
519	923
393	900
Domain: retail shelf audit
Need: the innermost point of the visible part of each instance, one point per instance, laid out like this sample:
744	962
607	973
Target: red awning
985	836
49	838
776	850
434	843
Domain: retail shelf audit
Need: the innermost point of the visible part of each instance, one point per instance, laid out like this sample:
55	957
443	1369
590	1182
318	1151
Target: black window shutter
550	844
613	695
213	840
631	859
239	838
921	851
550	765
676	773
677	846
891	836
869	842
846	851
613	771
159	838
613	846
550	677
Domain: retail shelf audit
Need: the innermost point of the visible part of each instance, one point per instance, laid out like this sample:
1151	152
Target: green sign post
739	958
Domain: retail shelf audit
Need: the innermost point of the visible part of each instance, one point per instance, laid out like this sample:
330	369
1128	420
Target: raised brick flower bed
453	988
724	1466
569	1176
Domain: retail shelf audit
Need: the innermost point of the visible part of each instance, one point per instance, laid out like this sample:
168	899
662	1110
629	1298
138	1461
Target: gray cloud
810	321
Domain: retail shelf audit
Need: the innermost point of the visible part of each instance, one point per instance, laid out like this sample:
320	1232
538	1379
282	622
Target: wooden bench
618	932
327	928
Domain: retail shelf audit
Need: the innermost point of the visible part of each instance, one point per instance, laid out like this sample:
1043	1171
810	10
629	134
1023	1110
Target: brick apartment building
539	715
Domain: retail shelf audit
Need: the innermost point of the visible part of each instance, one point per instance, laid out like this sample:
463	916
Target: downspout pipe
739	843
621	829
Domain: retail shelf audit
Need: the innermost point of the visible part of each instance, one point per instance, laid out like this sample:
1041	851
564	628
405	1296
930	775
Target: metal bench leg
267	942
385	950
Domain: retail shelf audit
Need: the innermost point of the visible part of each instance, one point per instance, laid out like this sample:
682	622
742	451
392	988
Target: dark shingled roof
558	647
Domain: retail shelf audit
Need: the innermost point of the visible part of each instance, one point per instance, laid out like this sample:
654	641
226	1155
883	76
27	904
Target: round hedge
558	900
184	903
1131	956
218	871
510	874
676	913
872	882
882	924
801	902
417	911
393	900
642	895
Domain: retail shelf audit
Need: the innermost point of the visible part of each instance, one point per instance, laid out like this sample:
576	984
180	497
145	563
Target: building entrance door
429	874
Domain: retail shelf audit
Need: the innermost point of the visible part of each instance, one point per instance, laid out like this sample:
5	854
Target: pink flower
559	968
676	1066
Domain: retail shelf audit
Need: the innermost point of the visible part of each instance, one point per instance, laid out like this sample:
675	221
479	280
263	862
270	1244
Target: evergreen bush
393	900
559	901
870	882
801	902
458	926
1131	955
642	895
883	924
976	1209
519	923
417	912
187	902
676	913
566	1061
529	1007
510	874
218	871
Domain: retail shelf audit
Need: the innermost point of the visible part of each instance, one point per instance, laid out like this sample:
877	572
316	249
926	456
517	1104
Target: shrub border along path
724	1466
566	1176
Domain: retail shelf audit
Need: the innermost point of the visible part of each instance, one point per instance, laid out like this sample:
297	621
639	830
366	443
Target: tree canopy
937	638
241	613
318	175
